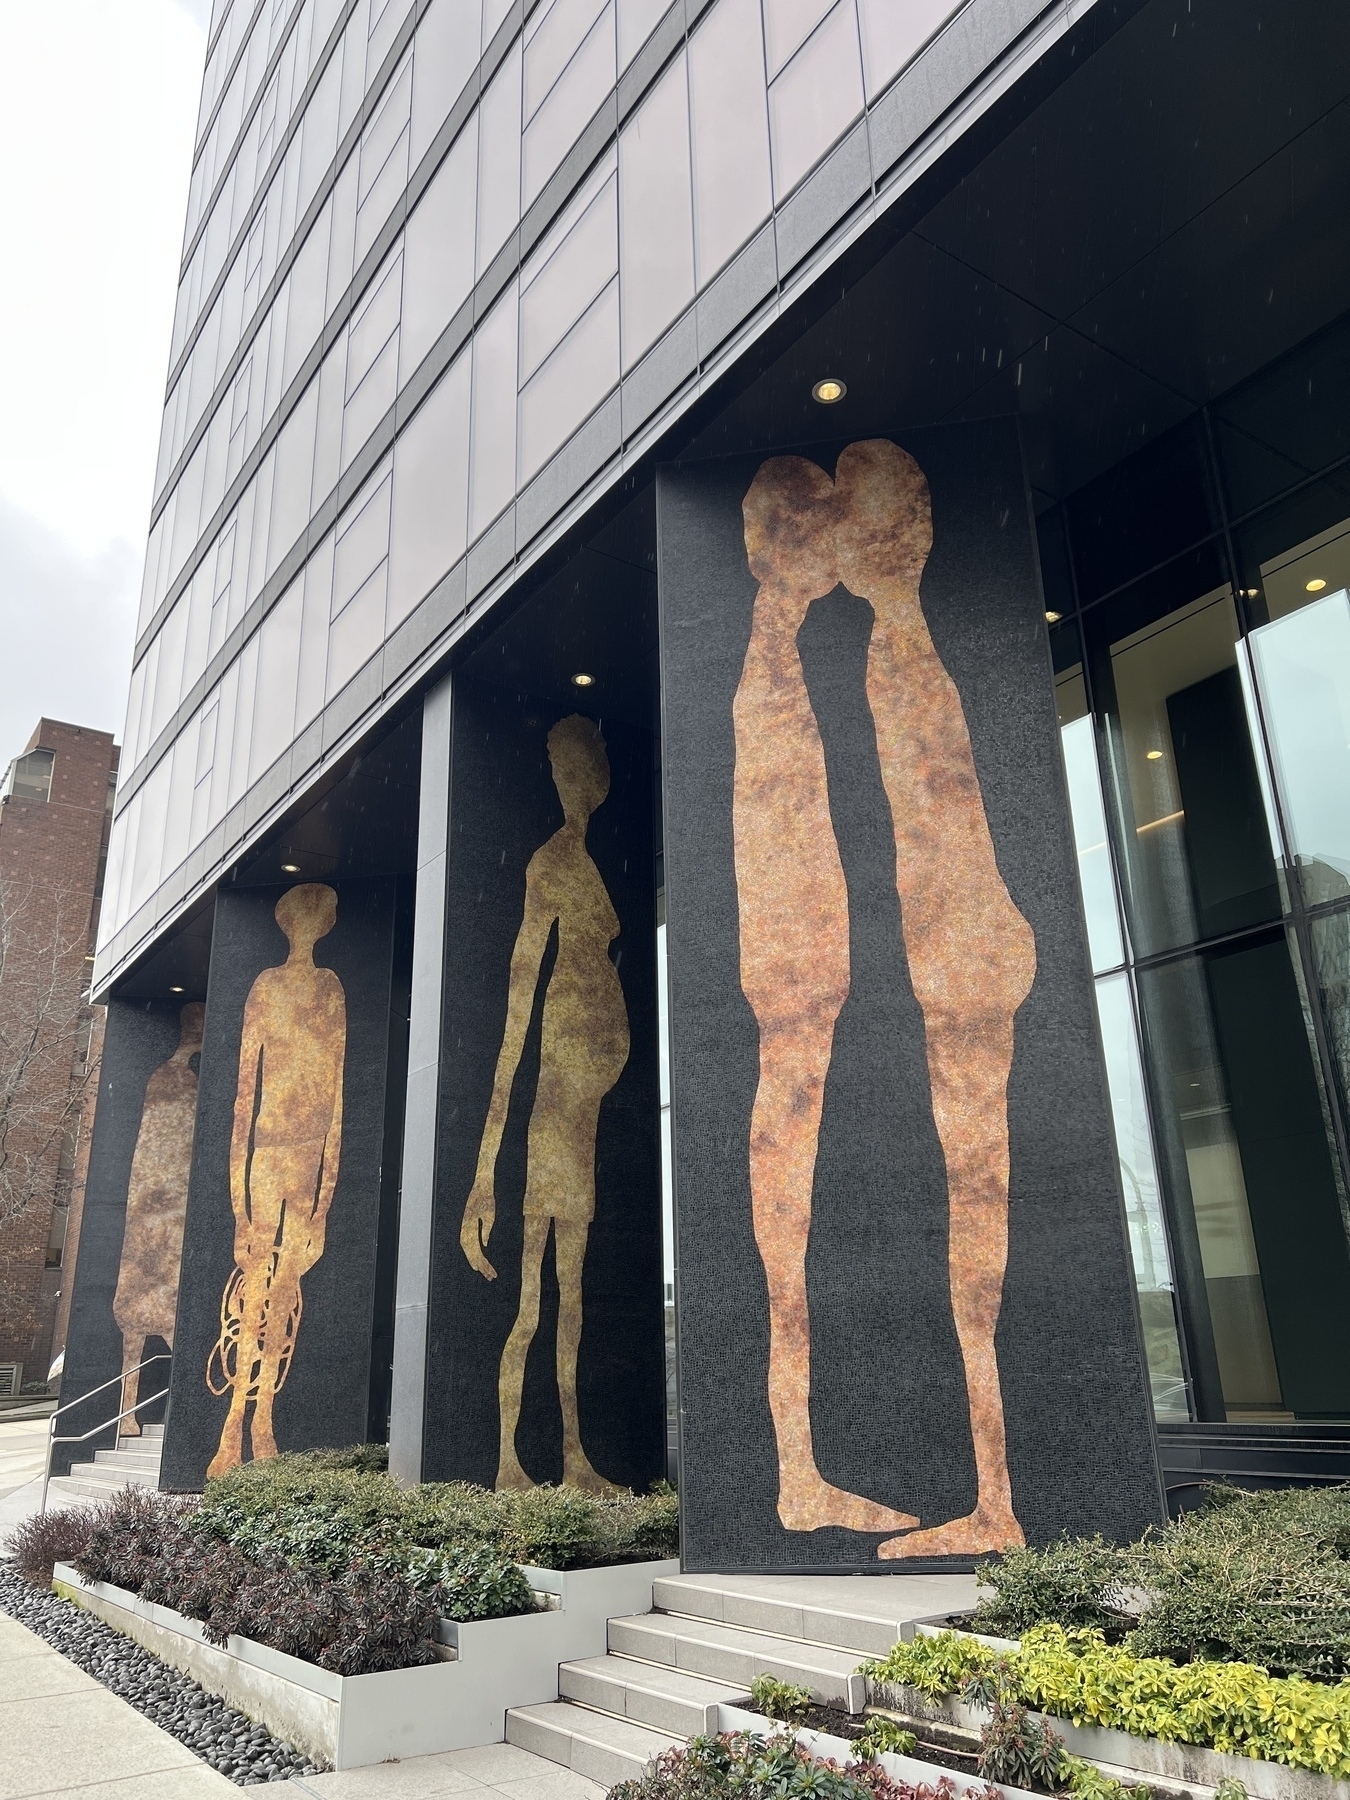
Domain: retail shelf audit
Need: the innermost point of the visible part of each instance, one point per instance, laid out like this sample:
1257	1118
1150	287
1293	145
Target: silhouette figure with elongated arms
971	954
284	1156
152	1243
582	1052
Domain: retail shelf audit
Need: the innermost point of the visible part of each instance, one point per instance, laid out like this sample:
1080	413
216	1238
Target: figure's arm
480	1209
245	1100
332	1148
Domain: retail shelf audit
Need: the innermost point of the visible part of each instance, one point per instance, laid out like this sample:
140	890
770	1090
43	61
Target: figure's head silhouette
191	1023
789	524
884	529
576	751
306	913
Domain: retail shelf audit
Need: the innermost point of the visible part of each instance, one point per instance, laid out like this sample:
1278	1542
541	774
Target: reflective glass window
1192	818
1252	1177
787	25
278	666
815	98
445	54
438	252
499	159
1078	741
1149	1248
360	568
575	261
571	103
637	20
656	236
729	130
571	384
431	490
553	35
492	465
892	34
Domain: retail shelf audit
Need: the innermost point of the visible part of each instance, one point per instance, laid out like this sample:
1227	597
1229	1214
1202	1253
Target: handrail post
120	1381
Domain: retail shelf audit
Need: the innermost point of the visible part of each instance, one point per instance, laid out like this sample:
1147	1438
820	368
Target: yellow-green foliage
934	1665
1232	1707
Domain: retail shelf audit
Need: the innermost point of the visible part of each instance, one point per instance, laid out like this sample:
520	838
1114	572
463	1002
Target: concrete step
82	1487
122	1458
730	1653
707	1597
112	1479
592	1744
648	1694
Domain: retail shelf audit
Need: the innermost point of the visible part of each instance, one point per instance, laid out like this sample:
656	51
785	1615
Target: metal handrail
53	1440
159	1356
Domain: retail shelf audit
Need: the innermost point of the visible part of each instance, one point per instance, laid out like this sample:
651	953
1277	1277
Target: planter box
350	1721
1131	1759
908	1769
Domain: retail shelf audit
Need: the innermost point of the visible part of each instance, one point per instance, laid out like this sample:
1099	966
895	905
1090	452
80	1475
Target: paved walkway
23	1445
492	1772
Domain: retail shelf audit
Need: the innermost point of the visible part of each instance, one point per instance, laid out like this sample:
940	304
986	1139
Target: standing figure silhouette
152	1243
284	1155
582	1052
971	954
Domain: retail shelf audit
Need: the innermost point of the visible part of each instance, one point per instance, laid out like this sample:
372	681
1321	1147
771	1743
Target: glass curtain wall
1199	602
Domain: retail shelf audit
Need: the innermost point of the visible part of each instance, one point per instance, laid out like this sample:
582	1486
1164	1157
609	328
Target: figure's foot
130	1427
264	1443
810	1504
577	1472
511	1475
231	1451
978	1533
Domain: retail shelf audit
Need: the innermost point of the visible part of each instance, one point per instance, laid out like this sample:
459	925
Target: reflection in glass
1076	736
1252	1176
1198	847
1302	664
1210	1177
1330	934
1143	1205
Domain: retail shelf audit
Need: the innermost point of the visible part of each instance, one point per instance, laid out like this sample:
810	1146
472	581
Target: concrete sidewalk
62	1732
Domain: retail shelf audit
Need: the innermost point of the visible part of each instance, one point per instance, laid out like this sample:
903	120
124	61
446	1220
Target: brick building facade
54	817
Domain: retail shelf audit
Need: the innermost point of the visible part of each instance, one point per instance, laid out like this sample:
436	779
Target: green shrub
1255	1578
472	1581
882	1737
323	1506
1087	1782
780	1699
934	1665
1076	1582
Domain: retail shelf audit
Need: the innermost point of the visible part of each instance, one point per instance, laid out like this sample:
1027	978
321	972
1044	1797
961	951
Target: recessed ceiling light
1052	617
828	390
1155	756
1315	587
583	680
290	868
175	990
1252	593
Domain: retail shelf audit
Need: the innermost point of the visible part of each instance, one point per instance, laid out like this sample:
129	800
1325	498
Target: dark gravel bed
245	1753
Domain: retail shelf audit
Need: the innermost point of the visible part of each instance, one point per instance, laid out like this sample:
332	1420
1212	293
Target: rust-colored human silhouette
284	1155
152	1244
582	1052
971	954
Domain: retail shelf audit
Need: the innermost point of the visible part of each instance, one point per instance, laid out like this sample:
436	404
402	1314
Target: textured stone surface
225	1740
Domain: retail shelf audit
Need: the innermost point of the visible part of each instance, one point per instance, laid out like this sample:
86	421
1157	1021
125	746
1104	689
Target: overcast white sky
98	100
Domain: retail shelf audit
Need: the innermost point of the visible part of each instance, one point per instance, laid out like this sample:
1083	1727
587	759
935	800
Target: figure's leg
133	1349
569	1252
249	1305
511	1376
282	1307
969	1072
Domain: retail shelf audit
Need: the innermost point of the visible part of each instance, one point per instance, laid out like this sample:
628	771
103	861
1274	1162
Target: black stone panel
503	807
325	1398
888	1402
138	1037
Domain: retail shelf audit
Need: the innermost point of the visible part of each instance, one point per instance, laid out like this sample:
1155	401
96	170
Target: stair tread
597	1727
800	1651
658	1678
